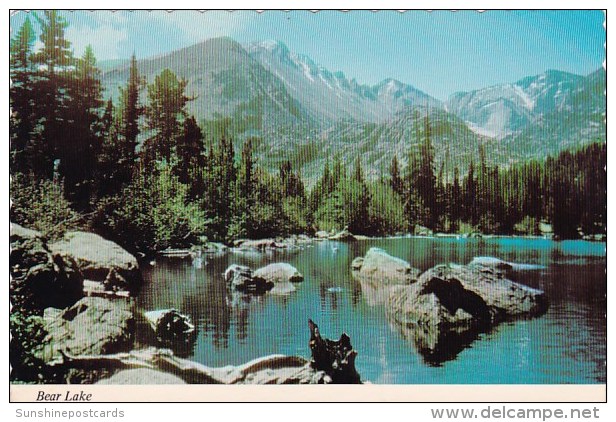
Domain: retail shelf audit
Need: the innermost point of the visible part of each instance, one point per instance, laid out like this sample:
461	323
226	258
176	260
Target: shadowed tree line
139	170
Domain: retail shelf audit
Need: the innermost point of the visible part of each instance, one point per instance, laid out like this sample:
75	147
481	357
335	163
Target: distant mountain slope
330	96
226	81
295	109
506	110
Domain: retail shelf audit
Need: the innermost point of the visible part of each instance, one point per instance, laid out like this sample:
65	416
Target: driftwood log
332	362
273	369
335	358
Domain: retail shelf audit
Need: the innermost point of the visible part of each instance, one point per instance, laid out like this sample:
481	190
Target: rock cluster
443	309
277	278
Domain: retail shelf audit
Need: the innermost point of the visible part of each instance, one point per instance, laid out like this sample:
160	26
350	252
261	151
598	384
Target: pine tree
426	180
455	201
470	195
246	173
358	171
190	153
165	114
396	181
21	95
55	60
113	171
83	130
130	108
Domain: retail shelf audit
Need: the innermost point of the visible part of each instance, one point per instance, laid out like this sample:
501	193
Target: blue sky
438	52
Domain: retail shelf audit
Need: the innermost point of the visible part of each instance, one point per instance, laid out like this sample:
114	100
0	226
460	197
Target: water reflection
566	345
438	346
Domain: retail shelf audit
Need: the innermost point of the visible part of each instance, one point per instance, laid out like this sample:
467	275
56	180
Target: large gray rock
171	327
322	234
100	260
380	268
344	236
505	298
450	304
40	278
92	326
282	275
241	278
357	263
259	244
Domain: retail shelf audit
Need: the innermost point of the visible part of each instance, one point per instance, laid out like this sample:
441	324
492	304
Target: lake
565	345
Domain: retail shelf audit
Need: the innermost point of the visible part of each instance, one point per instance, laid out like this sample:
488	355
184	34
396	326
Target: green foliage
150	214
40	205
528	226
297	216
21	96
165	114
28	333
187	183
387	214
130	108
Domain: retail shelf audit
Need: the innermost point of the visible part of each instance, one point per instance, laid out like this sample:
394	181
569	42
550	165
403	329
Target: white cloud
105	31
196	26
117	34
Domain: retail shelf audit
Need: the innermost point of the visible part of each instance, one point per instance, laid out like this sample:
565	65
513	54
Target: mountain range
295	109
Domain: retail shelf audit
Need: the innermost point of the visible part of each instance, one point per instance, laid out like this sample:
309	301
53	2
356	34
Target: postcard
406	206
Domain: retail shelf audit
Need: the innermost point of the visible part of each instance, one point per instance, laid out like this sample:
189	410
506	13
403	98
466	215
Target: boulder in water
241	278
171	327
380	268
500	265
282	275
344	236
139	376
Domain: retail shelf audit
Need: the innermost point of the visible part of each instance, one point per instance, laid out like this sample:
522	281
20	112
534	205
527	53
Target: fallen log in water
335	358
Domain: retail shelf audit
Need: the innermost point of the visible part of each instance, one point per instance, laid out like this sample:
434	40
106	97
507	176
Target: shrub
40	205
27	334
151	214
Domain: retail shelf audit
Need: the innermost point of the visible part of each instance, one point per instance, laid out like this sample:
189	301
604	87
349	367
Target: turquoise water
566	345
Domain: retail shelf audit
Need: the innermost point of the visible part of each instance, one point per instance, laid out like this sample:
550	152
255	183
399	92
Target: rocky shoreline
74	320
80	291
443	309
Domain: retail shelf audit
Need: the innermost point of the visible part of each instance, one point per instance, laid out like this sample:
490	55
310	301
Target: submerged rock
39	277
97	257
500	265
